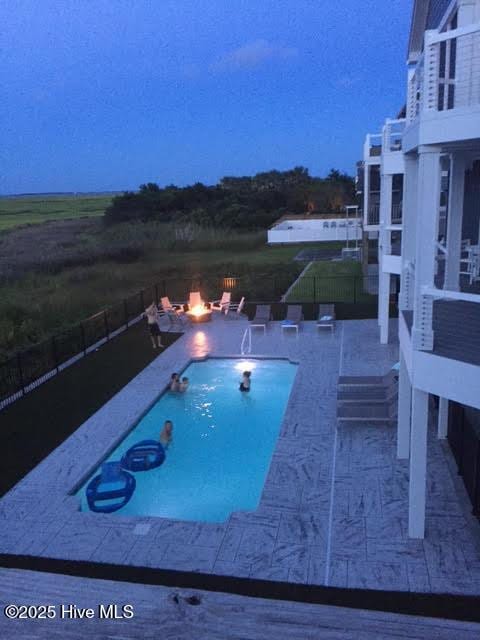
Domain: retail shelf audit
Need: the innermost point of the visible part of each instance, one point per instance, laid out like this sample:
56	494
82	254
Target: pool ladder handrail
246	341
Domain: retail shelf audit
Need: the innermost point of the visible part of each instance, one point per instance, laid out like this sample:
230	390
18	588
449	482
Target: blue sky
105	95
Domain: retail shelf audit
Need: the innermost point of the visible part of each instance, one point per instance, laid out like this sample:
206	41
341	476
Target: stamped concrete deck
334	506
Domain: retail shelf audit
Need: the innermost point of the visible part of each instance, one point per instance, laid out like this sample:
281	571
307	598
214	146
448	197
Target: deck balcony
443	102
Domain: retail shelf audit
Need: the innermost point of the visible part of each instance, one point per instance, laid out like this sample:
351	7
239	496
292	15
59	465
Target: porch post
409	224
384	248
418	464
428	204
366	192
442	427
454	222
404	409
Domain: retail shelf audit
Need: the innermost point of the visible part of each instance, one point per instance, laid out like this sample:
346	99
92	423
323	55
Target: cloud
252	55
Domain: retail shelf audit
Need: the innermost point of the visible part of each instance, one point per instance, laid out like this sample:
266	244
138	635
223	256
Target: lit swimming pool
222	445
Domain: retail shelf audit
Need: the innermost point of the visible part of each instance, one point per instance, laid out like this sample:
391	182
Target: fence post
314	289
142	300
105	320
156	294
164	285
125	309
20	373
54	353
354	289
84	343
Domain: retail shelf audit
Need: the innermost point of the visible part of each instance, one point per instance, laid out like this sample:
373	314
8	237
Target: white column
409	223
385	245
366	191
418	464
428	203
404	411
454	223
442	427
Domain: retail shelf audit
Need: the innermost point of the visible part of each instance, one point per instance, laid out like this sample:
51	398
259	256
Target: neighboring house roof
417	29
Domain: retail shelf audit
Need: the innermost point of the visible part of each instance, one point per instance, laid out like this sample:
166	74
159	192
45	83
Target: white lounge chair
168	306
294	317
222	305
326	316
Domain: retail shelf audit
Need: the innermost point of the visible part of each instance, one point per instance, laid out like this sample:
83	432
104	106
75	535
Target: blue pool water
223	441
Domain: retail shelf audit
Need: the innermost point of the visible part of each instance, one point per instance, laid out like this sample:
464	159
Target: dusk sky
107	94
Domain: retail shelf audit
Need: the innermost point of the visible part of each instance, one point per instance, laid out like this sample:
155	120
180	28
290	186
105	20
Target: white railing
397	213
392	135
445	294
373	145
447	75
373	214
407	286
246	346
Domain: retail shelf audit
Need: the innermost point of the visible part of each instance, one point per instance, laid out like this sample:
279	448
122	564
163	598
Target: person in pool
174	382
184	384
245	383
166	434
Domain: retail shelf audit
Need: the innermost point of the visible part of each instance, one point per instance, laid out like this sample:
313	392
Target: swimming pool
223	441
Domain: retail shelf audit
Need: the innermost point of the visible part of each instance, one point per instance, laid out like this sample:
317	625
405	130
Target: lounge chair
262	316
222	305
326	316
235	309
294	317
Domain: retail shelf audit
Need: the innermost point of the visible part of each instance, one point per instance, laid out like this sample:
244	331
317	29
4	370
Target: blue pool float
111	489
143	456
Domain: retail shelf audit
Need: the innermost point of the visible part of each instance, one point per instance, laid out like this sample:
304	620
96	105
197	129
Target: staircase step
355	394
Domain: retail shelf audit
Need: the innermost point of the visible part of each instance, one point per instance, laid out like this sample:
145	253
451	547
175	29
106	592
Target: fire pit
199	313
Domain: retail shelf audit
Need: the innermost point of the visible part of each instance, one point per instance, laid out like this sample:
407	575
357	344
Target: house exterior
439	265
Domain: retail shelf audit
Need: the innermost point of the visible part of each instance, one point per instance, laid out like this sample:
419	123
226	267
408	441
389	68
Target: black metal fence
354	296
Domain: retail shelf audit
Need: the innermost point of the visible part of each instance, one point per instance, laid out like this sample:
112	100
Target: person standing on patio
152	320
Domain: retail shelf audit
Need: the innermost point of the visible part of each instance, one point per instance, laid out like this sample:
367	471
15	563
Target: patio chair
326	316
168	306
294	317
262	316
235	310
222	305
195	300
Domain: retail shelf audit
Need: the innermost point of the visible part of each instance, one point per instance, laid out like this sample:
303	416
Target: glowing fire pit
199	313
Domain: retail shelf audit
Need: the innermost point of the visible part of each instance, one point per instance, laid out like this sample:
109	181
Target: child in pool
166	434
184	384
174	382
245	383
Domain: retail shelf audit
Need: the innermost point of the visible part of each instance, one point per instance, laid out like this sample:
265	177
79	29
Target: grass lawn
334	281
37	209
37	423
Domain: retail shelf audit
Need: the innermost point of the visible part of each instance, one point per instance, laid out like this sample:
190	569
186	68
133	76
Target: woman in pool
245	383
166	434
174	382
184	384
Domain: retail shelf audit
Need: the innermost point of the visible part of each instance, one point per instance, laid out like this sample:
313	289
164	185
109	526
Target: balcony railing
373	216
447	75
392	135
397	213
373	145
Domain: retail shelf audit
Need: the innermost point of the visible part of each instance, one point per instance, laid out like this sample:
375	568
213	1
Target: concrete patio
334	506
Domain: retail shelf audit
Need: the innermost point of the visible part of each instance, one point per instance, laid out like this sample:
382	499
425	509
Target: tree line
248	202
